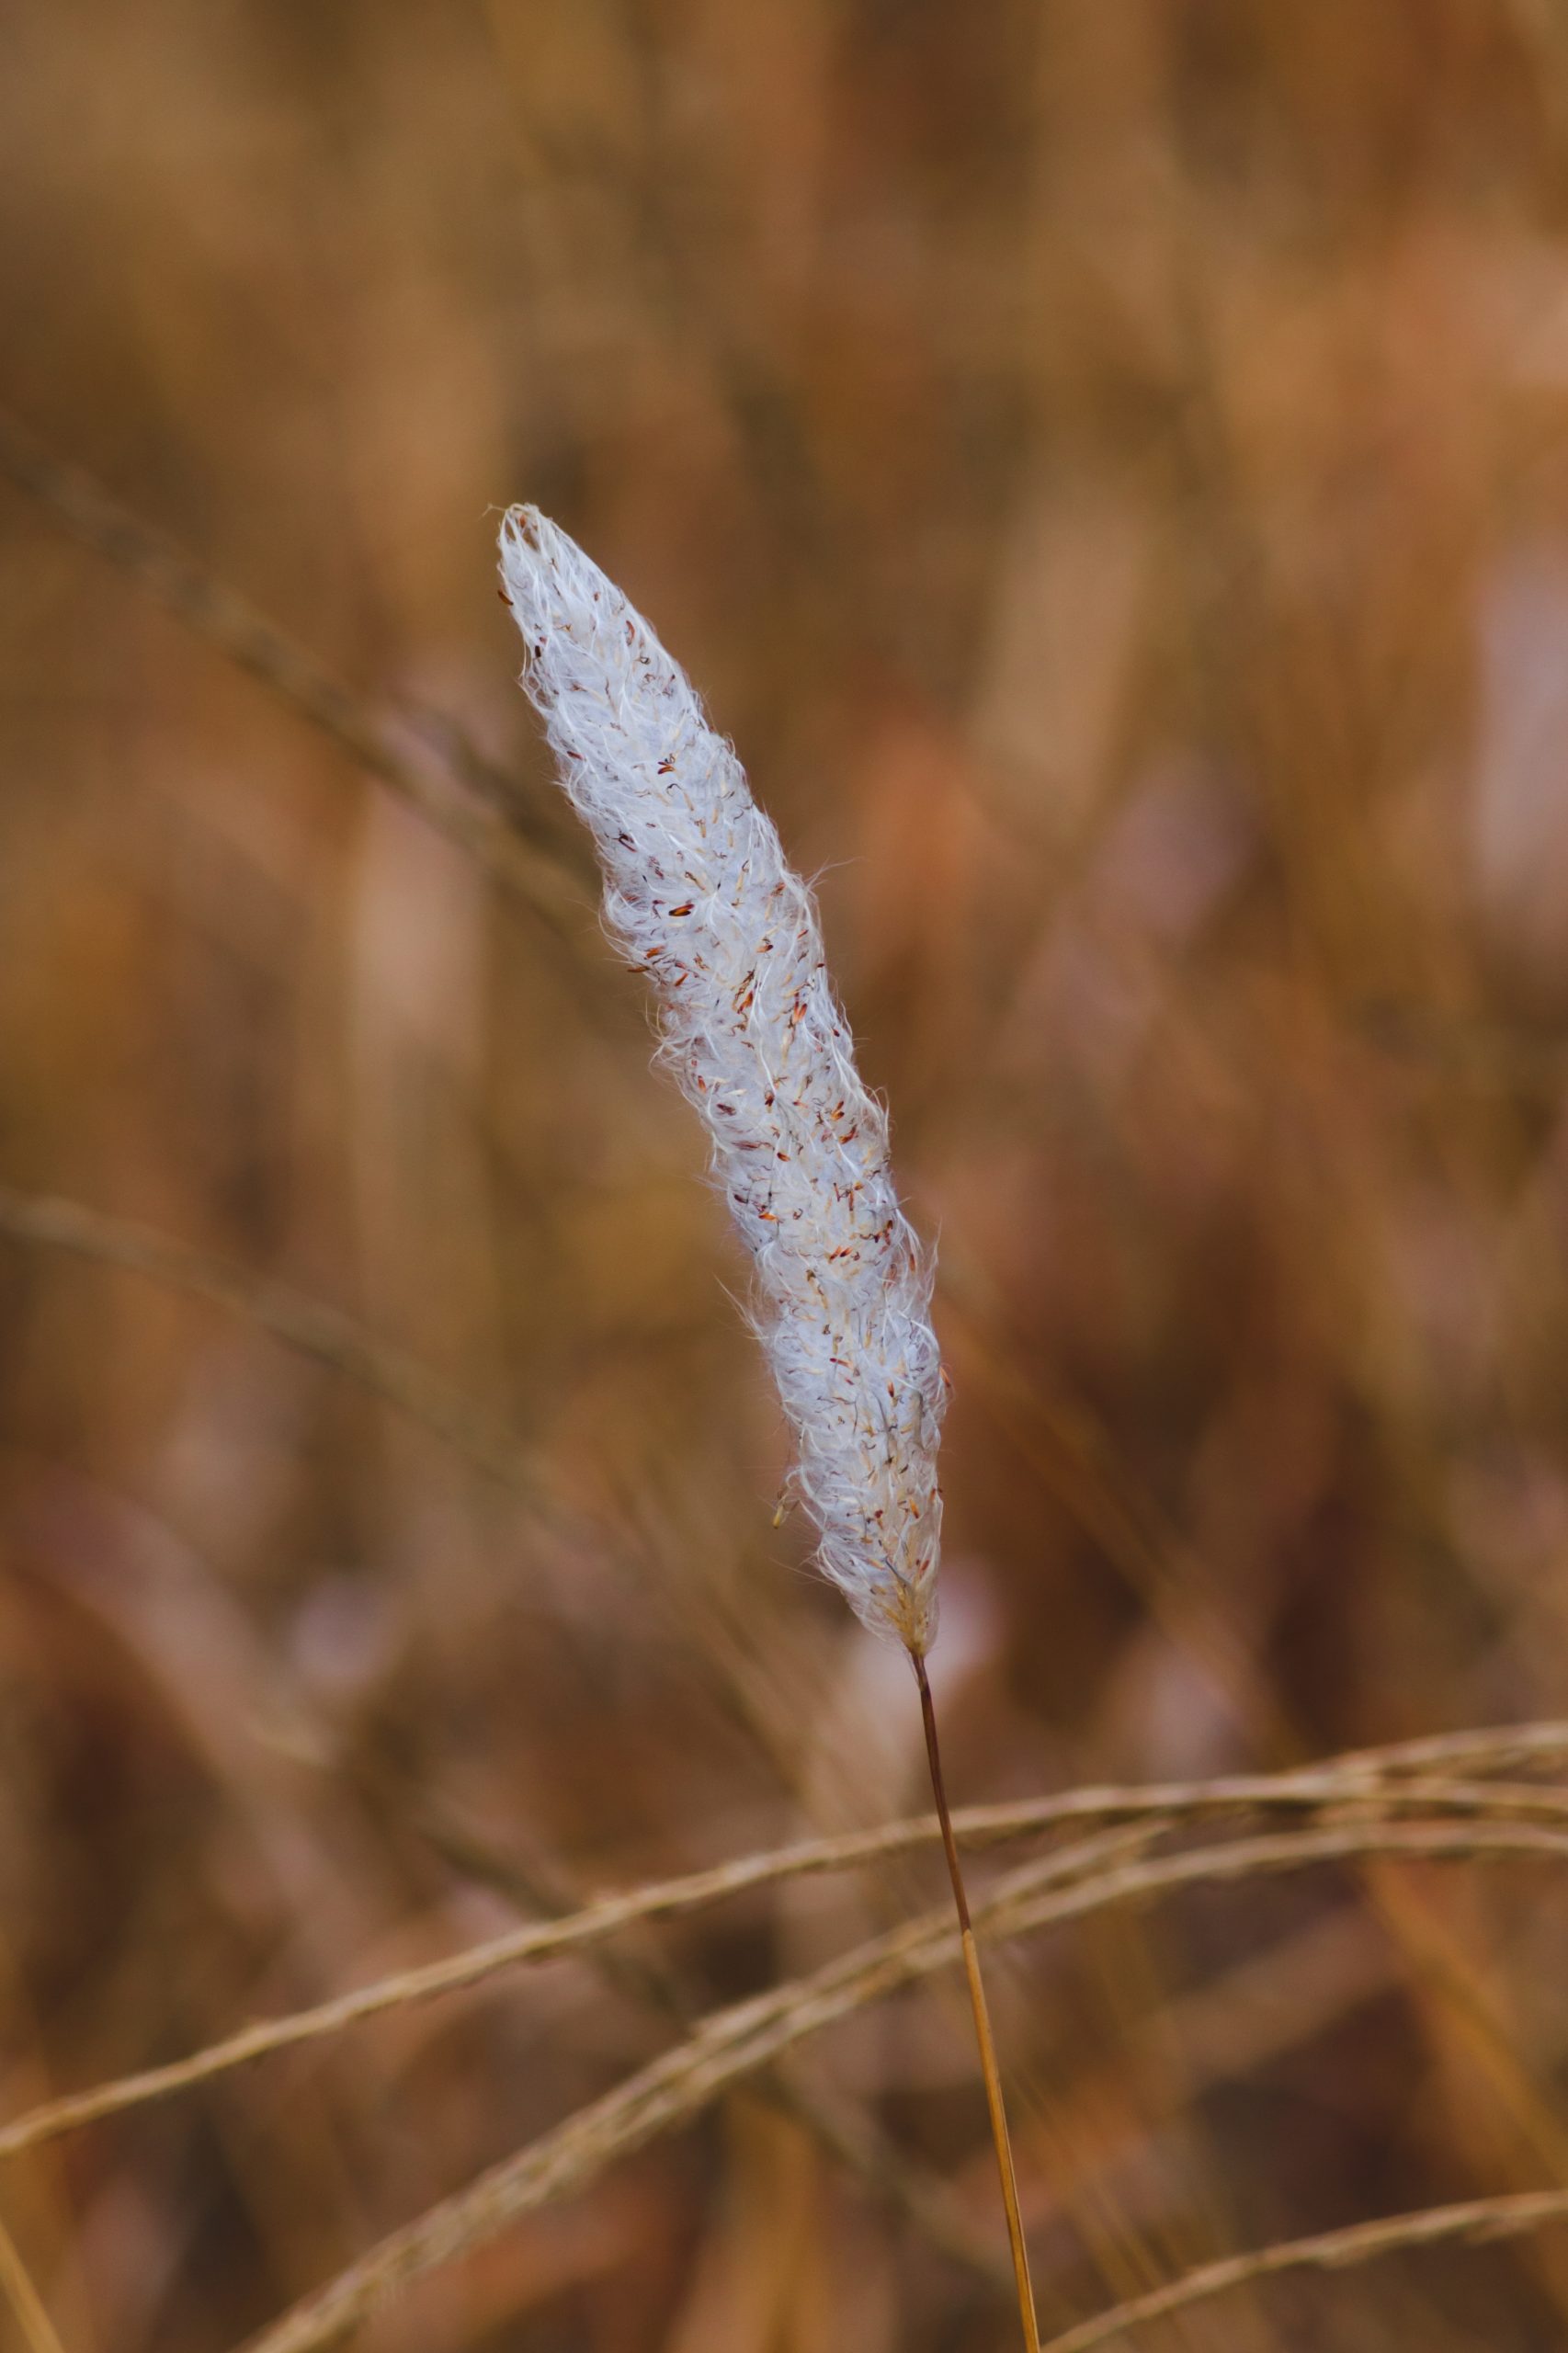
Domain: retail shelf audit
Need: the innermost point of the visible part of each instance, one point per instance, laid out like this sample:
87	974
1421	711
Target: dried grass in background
1109	466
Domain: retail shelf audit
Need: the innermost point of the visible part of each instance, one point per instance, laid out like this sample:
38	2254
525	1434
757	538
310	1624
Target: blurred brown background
1106	461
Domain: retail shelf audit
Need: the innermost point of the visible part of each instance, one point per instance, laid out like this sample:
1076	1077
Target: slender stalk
733	2044
988	2068
26	2303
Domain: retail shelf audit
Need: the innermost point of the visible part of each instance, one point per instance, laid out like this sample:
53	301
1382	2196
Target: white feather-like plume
698	896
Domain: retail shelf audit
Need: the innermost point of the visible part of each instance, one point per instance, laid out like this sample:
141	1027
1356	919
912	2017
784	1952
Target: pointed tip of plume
551	586
698	896
531	545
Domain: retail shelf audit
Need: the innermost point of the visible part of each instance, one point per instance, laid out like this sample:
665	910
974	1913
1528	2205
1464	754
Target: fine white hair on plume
697	895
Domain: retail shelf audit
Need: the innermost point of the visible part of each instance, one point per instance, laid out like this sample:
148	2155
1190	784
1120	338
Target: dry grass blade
1154	1811
466	797
732	2044
1476	2222
545	1941
37	2329
322	1332
737	2041
1171	1804
1485	1748
845	2128
334	1339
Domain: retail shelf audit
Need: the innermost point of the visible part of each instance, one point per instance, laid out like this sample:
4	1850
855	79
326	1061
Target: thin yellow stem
988	2068
25	2302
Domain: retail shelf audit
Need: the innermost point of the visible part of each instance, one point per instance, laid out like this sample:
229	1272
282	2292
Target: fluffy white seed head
698	897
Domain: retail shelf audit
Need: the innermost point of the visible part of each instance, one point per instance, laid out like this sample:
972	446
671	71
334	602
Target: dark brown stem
983	2035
